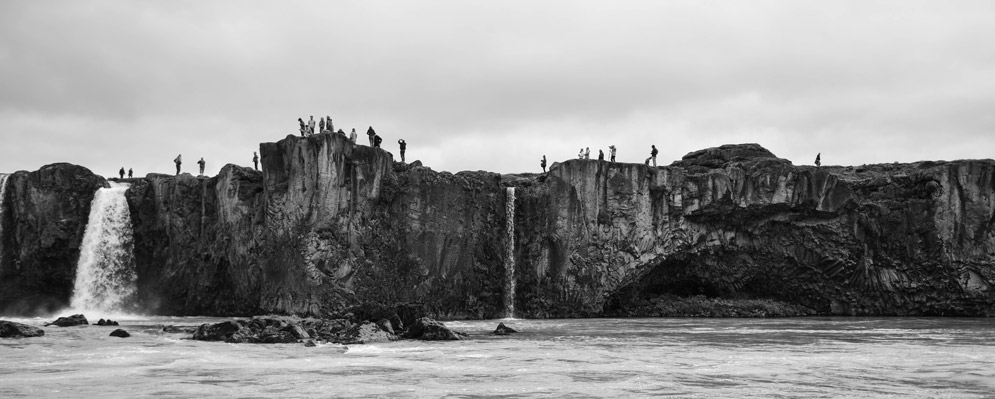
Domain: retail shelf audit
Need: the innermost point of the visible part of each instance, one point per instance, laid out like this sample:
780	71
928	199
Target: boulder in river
69	321
427	329
9	329
120	333
107	322
504	330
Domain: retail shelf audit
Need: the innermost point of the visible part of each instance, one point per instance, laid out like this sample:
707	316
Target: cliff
44	216
329	227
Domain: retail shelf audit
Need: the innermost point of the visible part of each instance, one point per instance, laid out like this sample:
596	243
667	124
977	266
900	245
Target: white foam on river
728	358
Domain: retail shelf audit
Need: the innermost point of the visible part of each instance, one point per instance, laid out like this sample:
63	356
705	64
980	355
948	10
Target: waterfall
3	191
105	273
509	256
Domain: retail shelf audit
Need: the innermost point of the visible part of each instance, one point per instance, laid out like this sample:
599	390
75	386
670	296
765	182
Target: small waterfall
509	256
105	273
3	191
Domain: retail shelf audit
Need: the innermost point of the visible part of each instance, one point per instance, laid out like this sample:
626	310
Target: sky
488	85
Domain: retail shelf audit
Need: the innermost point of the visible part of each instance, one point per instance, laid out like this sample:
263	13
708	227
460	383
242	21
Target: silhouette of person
201	163
328	123
580	155
377	140
255	161
352	136
321	125
129	173
652	155
612	151
543	164
818	160
121	172
371	133
178	161
404	145
601	155
303	127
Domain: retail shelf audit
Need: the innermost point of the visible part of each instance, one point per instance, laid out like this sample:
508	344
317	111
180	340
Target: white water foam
105	273
509	256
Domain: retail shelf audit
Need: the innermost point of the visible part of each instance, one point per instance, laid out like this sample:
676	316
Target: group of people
324	125
121	172
585	153
179	161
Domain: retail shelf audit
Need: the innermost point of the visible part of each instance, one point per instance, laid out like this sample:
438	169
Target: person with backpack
404	145
652	156
371	133
201	163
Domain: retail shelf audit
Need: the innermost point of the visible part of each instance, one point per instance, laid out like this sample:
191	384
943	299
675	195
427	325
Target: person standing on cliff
129	173
121	172
303	127
652	155
404	145
601	155
587	153
352	136
178	161
612	151
255	161
201	163
310	125
328	123
371	133
321	125
377	140
543	163
818	160
580	155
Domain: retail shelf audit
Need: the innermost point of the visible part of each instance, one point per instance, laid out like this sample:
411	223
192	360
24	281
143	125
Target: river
732	358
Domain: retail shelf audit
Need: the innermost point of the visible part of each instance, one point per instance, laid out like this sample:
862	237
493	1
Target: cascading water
105	273
3	191
509	256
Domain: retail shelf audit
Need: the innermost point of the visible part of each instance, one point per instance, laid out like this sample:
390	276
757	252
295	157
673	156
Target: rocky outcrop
335	230
45	215
120	333
69	321
504	330
9	329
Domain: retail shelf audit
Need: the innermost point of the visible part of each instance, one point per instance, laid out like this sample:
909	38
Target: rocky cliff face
330	227
45	215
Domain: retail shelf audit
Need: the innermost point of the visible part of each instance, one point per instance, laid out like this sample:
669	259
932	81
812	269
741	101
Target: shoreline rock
10	329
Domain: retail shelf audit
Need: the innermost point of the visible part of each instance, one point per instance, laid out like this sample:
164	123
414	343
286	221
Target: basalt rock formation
337	230
45	215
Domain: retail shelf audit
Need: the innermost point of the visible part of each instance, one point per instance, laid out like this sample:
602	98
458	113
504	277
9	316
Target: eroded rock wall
45	215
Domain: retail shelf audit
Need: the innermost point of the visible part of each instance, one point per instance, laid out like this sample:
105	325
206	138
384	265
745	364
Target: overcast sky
494	85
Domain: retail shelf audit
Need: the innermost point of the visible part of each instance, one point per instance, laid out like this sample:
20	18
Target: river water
732	358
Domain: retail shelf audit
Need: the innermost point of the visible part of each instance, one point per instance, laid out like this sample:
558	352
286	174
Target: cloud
475	85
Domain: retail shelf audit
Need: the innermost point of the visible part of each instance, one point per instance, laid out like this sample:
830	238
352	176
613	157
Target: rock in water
309	344
179	329
120	333
107	322
217	332
74	320
504	330
427	329
9	329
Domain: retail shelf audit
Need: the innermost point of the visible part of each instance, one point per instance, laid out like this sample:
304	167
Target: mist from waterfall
105	273
509	256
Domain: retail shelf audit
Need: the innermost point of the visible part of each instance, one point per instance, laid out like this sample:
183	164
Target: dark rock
385	325
223	331
504	330
427	329
120	333
297	331
9	329
69	321
107	322
309	344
